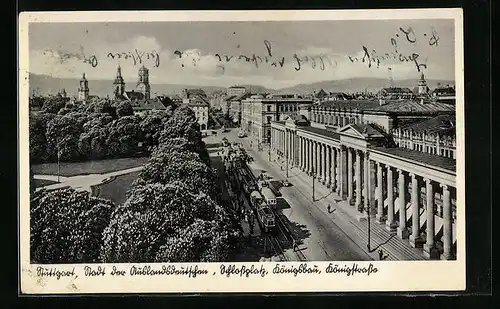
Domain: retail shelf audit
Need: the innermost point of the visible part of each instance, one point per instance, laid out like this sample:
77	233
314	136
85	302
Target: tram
269	197
264	213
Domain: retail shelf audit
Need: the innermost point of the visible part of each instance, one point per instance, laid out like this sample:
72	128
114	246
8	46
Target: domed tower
143	83
422	85
83	90
119	84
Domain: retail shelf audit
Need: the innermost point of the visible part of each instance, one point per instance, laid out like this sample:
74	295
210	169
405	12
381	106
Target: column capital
427	180
444	187
413	175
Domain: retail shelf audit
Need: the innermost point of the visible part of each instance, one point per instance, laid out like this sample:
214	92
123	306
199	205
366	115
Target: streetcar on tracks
265	214
269	197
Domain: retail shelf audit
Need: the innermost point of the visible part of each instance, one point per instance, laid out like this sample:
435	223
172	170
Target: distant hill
358	85
44	84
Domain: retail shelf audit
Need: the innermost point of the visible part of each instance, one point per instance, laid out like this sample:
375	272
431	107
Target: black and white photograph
165	151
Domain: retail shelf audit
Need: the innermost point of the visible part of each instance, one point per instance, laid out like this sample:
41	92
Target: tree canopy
66	227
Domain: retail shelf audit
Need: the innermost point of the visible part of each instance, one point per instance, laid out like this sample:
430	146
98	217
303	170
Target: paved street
321	237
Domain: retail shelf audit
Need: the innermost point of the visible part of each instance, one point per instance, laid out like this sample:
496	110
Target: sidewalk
344	216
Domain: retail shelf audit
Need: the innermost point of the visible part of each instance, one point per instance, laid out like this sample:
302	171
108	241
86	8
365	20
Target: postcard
241	151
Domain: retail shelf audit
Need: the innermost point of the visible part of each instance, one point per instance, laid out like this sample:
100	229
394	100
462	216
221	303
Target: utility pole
286	159
369	229
58	163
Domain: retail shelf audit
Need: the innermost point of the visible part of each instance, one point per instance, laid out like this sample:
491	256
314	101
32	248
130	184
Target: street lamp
286	163
58	163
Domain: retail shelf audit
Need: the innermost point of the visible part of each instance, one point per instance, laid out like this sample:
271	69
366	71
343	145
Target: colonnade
391	195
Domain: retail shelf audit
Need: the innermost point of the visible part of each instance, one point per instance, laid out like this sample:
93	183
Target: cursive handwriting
376	59
410	36
62	57
269	58
137	56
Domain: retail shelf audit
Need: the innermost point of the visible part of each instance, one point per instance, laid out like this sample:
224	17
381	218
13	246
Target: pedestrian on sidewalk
329	207
380	254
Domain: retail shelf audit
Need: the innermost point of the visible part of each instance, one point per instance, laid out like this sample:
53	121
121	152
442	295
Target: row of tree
94	131
173	212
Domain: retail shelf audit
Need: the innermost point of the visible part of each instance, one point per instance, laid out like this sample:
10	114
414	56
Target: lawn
89	167
116	190
43	182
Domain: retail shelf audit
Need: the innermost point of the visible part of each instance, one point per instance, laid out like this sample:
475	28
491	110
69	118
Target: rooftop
323	132
442	124
391	106
421	157
415	106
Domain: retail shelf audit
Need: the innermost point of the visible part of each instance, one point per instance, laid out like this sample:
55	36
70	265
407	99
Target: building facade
409	192
257	113
197	100
387	114
236	90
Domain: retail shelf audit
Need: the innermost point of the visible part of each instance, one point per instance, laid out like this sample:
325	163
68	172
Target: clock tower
119	83
143	83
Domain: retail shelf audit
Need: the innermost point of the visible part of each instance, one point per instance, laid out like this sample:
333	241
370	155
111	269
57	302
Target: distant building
83	90
445	94
436	136
176	99
257	113
199	104
189	93
396	93
423	89
142	90
236	90
235	106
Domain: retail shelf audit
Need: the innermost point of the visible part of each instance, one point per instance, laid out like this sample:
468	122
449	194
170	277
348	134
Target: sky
287	53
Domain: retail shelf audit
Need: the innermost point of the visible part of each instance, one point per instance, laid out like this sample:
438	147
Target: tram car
269	197
265	214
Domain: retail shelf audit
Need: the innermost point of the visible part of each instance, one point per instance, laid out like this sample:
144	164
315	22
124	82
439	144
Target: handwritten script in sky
404	36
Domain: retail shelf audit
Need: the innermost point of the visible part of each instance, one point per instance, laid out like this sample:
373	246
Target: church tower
83	90
422	85
143	83
119	84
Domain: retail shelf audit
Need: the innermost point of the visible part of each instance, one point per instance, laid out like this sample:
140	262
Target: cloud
195	66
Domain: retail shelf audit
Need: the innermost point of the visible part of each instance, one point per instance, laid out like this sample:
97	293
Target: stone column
430	246
415	239
334	170
320	162
328	166
372	186
308	155
349	177
390	223
365	191
358	204
402	231
447	225
323	164
380	188
343	172
299	152
302	153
